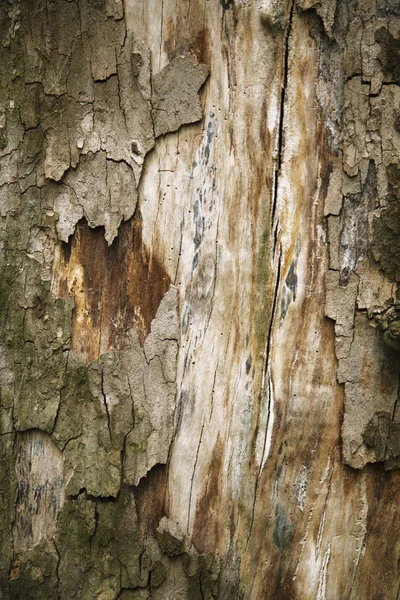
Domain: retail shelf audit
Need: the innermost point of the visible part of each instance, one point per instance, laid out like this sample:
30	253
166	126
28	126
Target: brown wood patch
115	287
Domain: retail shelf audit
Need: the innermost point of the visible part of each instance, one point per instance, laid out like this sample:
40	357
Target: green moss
75	526
104	535
376	434
92	457
209	575
393	175
389	322
74	395
169	544
392	335
203	575
158	574
139	594
382	434
3	139
34	575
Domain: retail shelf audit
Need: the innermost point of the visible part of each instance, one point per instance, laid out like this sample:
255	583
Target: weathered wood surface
199	328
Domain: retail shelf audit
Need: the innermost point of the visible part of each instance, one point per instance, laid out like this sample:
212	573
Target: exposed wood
199	299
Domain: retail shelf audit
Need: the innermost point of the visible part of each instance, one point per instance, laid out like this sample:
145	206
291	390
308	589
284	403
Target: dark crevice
57	569
91	497
123	450
397	401
280	142
105	404
273	311
62	388
192	477
212	391
398	593
106	78
96	523
354	76
266	378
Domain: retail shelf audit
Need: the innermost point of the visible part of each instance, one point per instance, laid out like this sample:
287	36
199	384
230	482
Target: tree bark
199	316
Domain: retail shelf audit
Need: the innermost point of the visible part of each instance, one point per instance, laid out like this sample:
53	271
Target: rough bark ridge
362	207
187	190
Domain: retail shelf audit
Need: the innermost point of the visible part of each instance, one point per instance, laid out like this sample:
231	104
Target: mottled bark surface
199	312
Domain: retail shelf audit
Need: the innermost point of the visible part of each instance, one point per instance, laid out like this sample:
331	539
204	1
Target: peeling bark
199	311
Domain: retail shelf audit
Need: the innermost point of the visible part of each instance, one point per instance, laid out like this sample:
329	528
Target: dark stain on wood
169	39
206	527
201	47
150	497
115	287
226	4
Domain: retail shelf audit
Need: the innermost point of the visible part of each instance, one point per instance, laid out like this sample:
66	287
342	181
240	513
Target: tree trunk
200	241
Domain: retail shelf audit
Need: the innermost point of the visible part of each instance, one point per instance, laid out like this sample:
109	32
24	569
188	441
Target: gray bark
199	305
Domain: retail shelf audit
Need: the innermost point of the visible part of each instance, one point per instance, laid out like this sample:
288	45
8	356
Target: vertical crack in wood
267	377
105	402
281	123
192	478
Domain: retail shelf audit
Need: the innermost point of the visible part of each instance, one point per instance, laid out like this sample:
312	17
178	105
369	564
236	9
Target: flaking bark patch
115	420
89	322
363	235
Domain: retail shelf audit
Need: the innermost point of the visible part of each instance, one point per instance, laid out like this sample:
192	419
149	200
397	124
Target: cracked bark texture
199	306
